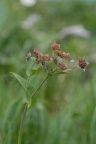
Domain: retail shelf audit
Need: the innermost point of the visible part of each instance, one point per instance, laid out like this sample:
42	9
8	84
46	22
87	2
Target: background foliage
65	110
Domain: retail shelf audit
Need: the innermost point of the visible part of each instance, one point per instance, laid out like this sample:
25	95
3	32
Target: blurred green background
65	109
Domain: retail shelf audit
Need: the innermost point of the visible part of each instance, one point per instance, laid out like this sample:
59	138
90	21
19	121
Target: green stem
25	110
39	86
22	121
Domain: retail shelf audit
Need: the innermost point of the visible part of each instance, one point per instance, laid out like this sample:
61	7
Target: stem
39	86
59	121
25	110
22	121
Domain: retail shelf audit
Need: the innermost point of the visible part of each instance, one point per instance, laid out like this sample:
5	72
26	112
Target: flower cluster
40	57
61	65
58	57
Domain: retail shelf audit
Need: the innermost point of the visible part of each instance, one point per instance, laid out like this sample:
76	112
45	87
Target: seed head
37	54
45	57
55	46
82	63
63	55
66	56
62	66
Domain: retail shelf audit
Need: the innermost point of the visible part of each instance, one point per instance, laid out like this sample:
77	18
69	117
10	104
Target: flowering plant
51	65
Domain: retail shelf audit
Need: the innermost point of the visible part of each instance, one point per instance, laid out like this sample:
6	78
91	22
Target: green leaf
31	72
58	71
21	80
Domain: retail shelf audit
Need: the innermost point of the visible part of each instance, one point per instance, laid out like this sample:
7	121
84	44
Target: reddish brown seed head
66	56
55	46
45	57
82	63
62	66
37	54
63	55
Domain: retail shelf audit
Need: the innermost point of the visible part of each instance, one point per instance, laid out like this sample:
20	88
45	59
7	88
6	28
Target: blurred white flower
75	30
28	2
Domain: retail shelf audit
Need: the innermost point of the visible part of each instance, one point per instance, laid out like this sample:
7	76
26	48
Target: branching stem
25	110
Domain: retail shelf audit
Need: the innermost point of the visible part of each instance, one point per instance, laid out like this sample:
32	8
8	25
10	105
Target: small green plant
58	63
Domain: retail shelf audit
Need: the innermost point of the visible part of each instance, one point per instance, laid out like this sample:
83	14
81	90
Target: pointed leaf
21	80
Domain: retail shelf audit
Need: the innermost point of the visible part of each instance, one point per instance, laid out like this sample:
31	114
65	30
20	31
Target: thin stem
22	121
39	86
25	110
59	121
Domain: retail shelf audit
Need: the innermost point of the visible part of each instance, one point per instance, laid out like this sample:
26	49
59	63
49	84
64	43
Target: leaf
58	71
21	80
31	72
35	71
